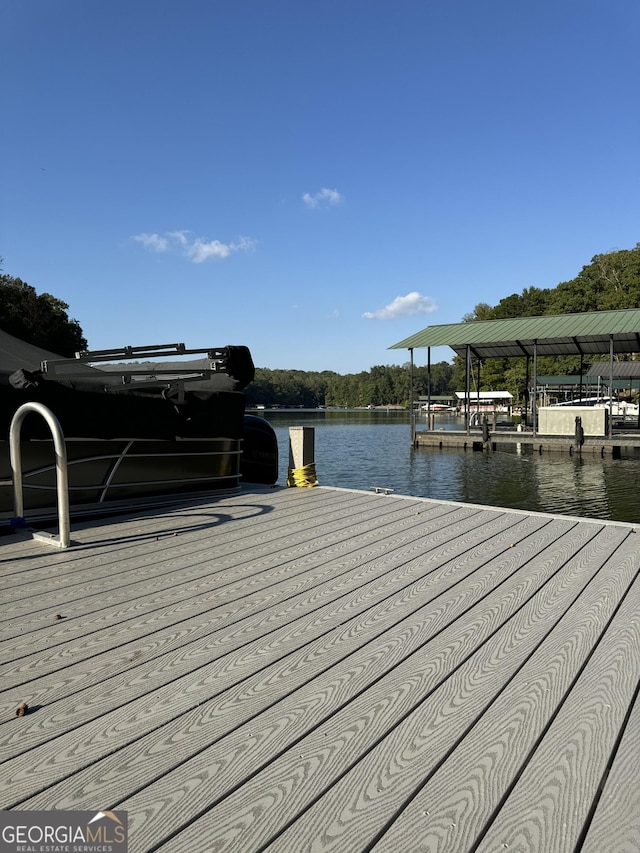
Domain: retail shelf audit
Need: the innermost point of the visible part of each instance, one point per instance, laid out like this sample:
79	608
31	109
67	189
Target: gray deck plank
86	581
210	580
218	615
336	772
96	581
163	694
359	647
198	574
211	521
543	812
454	806
152	559
615	826
322	669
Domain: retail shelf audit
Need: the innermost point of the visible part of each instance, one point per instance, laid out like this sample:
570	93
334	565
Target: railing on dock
62	479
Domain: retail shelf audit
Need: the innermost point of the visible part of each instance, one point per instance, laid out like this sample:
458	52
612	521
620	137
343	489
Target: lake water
363	449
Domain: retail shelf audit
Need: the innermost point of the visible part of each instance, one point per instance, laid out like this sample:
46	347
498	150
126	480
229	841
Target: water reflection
361	450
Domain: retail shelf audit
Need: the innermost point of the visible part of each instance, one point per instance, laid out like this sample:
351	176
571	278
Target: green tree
482	311
41	319
611	281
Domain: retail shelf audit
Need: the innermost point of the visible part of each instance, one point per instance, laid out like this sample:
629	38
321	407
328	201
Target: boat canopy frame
167	376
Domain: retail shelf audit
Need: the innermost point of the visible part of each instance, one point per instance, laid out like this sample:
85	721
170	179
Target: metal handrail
62	480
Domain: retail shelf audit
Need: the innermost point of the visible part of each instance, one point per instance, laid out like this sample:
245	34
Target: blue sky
316	180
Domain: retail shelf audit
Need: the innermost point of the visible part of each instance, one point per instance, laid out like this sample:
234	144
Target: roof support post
534	406
610	430
467	391
429	382
527	389
581	371
412	417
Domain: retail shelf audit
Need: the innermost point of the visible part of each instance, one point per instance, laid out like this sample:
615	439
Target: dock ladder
63	539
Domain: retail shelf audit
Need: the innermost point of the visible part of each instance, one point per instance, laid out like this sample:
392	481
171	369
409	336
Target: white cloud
200	250
196	249
154	242
179	237
403	306
326	198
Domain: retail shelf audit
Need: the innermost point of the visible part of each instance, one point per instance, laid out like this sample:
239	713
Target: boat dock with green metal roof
611	333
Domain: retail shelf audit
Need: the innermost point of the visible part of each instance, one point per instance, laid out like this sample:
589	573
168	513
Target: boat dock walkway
329	670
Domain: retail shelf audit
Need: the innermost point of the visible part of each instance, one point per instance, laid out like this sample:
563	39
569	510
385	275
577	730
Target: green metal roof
630	369
588	379
560	334
562	380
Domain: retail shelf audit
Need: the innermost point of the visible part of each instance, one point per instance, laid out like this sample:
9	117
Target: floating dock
621	446
329	670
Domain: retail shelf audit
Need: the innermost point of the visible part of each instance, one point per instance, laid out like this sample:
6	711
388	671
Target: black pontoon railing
155	376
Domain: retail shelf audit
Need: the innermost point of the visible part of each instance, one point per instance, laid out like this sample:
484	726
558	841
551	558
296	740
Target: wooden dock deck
329	670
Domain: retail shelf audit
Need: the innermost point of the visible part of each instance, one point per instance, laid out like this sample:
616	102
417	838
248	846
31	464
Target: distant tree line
380	386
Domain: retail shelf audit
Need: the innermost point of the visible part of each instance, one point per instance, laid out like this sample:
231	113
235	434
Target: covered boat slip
324	669
610	333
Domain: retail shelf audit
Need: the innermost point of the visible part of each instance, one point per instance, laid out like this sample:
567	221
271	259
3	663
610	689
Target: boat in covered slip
438	407
619	408
133	430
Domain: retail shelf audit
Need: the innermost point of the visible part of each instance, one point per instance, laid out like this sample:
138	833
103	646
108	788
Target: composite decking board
193	570
122	536
453	805
217	579
351	645
196	636
70	714
100	728
203	580
186	555
79	563
615	825
149	519
299	782
280	591
186	653
542	811
223	766
261	715
224	543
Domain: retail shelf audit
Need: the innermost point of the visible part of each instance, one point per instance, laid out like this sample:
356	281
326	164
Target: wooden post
301	457
486	435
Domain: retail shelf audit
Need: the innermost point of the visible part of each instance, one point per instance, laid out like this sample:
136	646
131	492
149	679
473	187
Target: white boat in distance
438	407
619	408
